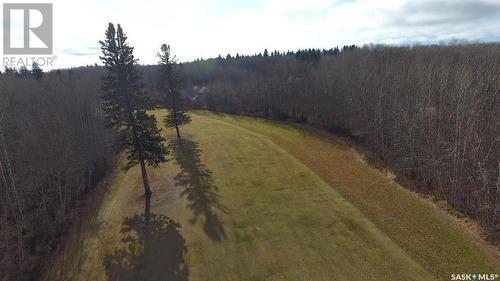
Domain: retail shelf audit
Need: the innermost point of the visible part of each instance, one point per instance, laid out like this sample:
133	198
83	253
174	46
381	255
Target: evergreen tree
36	71
266	53
170	84
126	104
10	71
23	71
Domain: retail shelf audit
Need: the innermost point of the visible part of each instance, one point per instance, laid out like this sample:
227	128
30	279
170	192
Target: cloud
432	13
297	5
198	28
403	21
78	52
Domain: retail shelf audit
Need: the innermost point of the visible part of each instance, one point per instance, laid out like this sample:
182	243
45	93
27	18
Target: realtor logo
27	29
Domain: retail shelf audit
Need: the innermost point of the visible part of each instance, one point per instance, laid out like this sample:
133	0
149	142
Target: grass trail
239	201
429	235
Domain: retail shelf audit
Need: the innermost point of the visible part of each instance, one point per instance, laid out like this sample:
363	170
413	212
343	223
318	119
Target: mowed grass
428	235
247	199
281	221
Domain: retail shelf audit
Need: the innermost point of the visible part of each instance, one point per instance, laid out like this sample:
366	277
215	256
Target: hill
240	202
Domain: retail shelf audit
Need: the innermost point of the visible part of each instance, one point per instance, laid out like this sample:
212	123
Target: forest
54	149
429	113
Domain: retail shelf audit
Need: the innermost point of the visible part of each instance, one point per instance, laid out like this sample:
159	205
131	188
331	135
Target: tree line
60	133
53	150
431	113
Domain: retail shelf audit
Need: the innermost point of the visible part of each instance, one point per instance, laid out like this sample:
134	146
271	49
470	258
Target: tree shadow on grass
153	251
199	187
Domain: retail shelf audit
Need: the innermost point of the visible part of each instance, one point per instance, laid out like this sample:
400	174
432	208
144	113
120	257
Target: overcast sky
202	29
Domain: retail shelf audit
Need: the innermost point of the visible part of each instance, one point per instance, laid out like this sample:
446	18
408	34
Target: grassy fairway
241	201
282	222
431	237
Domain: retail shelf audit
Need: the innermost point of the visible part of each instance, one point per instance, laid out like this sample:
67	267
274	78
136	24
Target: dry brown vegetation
54	149
432	113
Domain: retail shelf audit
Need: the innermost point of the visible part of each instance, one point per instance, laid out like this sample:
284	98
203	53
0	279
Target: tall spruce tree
170	85
126	104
